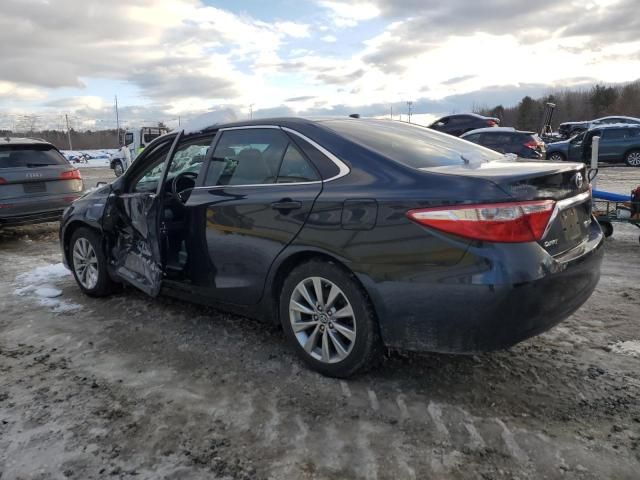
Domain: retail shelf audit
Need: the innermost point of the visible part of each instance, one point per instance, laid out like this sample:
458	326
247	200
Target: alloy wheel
556	157
85	263
322	320
633	159
117	169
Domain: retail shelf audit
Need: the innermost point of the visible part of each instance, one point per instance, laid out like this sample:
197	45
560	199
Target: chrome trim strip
570	202
342	167
245	127
563	205
256	185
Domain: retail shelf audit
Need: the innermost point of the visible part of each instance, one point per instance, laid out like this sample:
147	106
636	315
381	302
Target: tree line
571	105
87	140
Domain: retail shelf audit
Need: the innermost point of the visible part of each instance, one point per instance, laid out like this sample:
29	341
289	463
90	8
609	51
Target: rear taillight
532	144
491	123
2	181
71	175
495	222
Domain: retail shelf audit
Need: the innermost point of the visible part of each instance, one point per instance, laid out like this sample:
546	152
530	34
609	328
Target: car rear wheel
328	320
118	169
88	263
556	157
633	158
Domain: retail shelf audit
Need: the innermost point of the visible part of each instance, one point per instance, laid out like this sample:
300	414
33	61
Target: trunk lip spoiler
563	205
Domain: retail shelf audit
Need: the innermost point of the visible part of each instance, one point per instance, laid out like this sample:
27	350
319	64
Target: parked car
618	143
36	182
598	122
353	234
571	129
508	140
458	124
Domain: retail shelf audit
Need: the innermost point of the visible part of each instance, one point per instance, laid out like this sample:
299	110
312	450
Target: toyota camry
353	234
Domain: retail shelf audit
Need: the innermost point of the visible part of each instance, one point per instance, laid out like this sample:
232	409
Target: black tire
607	228
118	168
104	284
560	157
632	158
366	349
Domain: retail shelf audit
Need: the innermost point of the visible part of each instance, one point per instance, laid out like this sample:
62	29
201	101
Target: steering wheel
180	190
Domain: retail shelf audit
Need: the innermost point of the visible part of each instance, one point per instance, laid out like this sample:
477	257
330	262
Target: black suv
508	140
456	125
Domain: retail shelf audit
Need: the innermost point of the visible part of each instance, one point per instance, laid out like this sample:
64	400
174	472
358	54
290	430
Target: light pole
409	103
251	111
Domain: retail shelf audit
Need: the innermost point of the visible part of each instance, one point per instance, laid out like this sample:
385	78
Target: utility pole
391	112
66	117
178	120
409	103
251	111
117	122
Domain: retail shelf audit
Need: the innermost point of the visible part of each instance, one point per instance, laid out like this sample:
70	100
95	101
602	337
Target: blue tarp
612	197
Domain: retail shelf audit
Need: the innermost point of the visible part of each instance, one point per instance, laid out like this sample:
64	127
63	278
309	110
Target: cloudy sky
174	58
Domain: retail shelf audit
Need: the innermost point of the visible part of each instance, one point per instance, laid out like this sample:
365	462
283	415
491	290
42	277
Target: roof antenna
354	115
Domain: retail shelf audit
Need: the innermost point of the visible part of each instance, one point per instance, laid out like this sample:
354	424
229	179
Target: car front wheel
633	158
556	157
328	320
88	263
118	169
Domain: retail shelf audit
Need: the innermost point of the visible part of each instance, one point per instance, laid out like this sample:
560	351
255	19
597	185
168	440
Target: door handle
286	204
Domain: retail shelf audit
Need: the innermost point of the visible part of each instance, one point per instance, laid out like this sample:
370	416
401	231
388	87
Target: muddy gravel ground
129	387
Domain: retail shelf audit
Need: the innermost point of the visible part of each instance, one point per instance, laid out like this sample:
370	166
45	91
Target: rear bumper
31	210
497	296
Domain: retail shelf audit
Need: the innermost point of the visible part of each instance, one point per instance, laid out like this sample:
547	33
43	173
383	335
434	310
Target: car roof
204	123
493	129
615	125
23	141
635	119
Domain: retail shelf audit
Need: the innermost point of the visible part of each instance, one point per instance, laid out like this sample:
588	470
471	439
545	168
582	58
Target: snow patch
630	348
38	285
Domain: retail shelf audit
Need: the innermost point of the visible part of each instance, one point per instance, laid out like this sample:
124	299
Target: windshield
411	145
20	156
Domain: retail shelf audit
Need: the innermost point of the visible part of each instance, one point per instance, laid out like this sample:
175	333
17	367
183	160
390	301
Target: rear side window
475	138
31	156
614	134
409	144
295	168
633	132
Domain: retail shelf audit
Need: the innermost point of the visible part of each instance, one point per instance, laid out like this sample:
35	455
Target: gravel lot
129	387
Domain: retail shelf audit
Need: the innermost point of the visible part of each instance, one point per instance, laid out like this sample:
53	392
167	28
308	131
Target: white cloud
352	13
292	29
329	38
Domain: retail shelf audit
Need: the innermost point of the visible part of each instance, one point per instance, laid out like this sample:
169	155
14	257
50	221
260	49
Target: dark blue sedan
352	234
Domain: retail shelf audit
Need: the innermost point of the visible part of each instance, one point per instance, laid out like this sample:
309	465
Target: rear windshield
17	156
411	145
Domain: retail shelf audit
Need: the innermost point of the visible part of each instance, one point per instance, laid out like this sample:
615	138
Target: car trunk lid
565	183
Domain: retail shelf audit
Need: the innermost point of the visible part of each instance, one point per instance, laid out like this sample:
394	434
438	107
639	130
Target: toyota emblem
578	180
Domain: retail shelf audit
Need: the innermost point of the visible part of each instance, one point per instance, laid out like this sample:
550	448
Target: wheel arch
69	230
635	148
558	152
286	265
